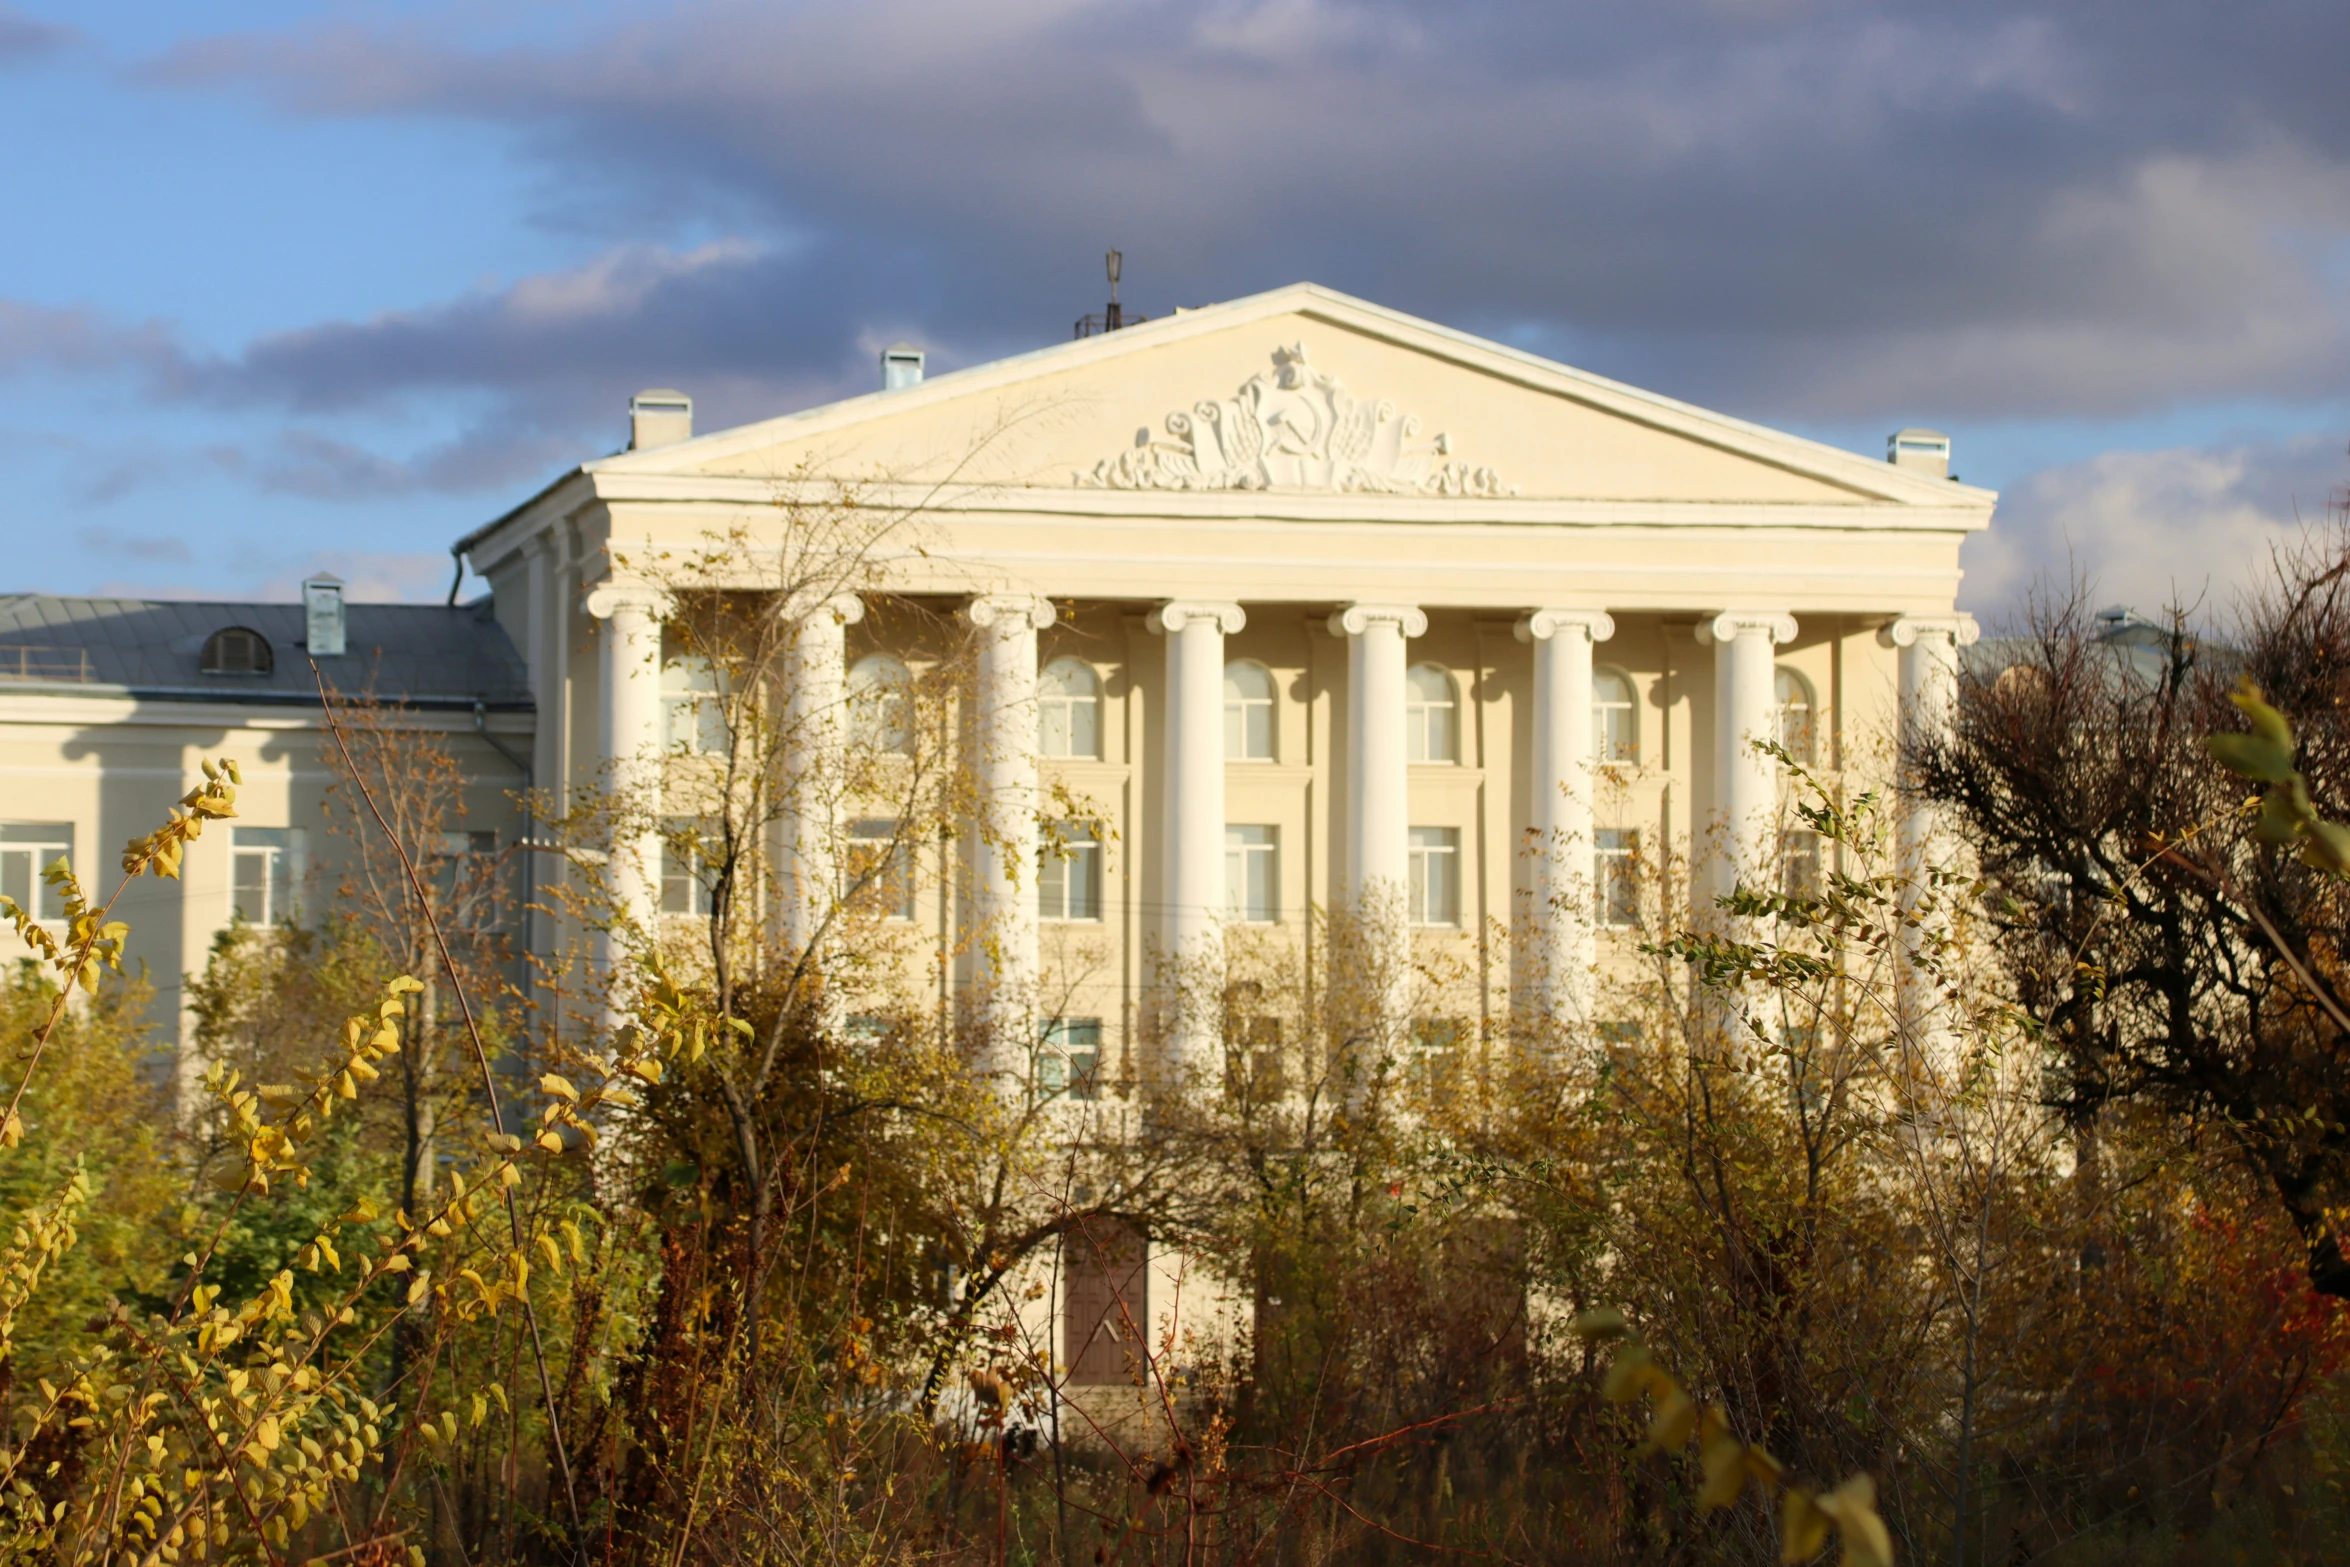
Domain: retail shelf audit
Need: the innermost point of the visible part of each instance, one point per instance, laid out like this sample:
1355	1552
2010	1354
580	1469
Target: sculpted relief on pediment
1294	427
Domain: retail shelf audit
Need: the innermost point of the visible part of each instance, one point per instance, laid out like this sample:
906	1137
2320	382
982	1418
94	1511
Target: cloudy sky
292	286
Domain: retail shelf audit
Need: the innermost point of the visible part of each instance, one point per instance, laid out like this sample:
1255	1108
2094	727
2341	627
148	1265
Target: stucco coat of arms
1294	428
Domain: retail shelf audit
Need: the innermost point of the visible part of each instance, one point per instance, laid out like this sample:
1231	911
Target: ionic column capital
1176	614
1541	625
1009	613
1909	630
1731	624
1356	619
607	599
845	608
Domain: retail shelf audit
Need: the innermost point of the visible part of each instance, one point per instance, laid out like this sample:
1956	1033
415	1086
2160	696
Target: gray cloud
23	37
1805	210
2186	526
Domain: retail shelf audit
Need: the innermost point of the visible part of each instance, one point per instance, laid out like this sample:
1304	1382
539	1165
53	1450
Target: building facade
1305	600
110	707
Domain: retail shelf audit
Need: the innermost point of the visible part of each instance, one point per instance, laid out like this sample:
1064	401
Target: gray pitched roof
421	655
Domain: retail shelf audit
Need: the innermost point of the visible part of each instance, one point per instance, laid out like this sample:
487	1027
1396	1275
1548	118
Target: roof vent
901	366
322	616
660	417
237	650
1928	451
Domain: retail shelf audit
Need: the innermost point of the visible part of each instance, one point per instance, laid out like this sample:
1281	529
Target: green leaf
2251	756
2282	817
2328	848
2265	720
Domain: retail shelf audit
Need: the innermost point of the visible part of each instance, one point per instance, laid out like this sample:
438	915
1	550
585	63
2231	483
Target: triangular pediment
1298	391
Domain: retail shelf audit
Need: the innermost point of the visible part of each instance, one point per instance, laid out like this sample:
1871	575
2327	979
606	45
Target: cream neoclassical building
1306	596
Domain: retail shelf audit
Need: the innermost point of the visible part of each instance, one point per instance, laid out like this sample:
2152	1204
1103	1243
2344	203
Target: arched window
1615	717
1431	715
693	719
1248	713
237	650
881	704
1069	710
1798	716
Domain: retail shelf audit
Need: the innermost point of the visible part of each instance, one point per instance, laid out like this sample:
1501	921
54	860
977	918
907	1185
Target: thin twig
489	1088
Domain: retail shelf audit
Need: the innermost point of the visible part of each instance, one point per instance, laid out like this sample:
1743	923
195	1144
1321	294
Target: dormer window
236	650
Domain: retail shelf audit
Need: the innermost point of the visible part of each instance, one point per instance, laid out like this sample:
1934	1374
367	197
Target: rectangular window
1800	853
1069	874
879	875
264	871
1436	876
1252	873
688	872
26	850
1615	876
693	711
1069	1058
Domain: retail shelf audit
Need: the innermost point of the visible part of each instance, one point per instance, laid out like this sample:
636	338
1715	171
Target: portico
1297	602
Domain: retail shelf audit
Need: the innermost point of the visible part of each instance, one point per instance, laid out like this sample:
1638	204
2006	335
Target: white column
814	735
1558	972
1929	647
1195	890
1003	884
629	737
1746	708
1377	869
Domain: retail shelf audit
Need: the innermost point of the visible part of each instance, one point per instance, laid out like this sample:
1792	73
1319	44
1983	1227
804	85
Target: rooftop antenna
1115	316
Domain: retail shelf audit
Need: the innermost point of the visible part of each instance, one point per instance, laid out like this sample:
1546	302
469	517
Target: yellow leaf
560	1087
1724	1461
1675	1422
1853	1506
1601	1324
1803	1528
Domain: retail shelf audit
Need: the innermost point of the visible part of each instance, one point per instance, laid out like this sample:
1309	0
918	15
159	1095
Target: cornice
728	497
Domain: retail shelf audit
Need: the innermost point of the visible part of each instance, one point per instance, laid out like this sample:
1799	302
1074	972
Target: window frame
687	865
41	844
1419	712
1615	880
682	688
1069	861
1808	753
871	721
893	891
1239	708
209	660
1428	848
1242	853
1068	705
282	851
1064	1042
1605	748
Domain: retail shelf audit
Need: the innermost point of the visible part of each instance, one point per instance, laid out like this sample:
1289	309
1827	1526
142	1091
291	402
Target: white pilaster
629	740
1929	647
814	735
1746	710
1378	792
1558	975
1003	889
1196	894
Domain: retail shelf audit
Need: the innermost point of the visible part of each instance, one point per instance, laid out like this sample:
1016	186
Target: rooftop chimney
322	614
901	366
1928	451
659	417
